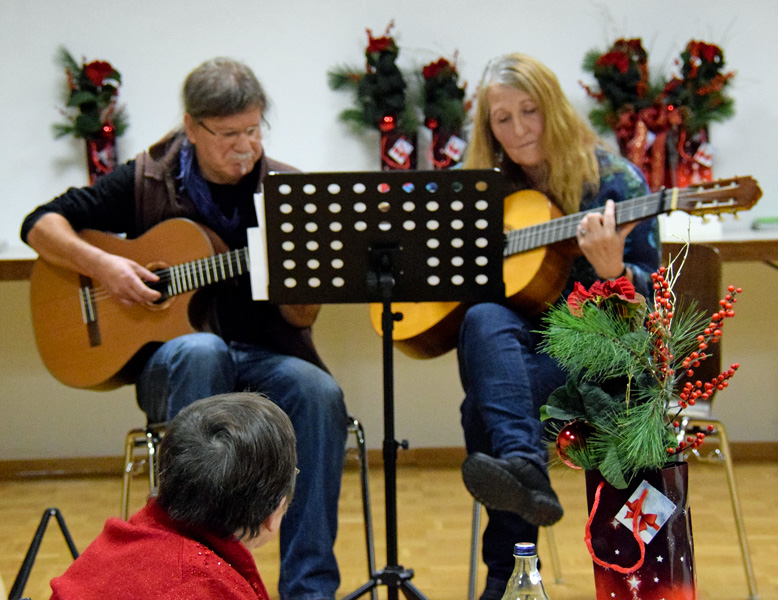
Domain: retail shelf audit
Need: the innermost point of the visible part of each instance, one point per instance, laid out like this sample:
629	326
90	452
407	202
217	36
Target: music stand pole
393	575
385	237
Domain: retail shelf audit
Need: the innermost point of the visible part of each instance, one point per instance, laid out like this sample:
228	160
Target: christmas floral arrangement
699	91
445	106
624	87
445	111
659	124
379	90
91	102
625	358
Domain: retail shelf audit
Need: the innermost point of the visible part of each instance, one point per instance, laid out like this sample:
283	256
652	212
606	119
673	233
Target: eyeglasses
253	133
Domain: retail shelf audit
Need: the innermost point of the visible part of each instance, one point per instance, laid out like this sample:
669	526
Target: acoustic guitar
539	254
89	340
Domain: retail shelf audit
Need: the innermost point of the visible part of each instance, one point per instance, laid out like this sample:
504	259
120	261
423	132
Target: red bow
644	520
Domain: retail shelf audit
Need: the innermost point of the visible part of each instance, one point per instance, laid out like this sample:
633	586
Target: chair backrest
700	281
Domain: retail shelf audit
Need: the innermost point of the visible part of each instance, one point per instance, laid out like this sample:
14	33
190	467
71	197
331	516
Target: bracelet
623	272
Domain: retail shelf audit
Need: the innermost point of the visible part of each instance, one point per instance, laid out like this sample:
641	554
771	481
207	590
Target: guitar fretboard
563	228
199	273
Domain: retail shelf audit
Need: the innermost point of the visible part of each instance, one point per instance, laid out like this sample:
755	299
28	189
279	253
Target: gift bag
640	538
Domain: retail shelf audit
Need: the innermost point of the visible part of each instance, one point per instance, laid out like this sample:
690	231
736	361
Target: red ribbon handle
635	527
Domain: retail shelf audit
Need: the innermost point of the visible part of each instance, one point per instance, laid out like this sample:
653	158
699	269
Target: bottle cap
524	549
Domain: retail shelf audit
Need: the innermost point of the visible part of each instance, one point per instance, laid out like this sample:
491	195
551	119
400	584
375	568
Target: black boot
512	484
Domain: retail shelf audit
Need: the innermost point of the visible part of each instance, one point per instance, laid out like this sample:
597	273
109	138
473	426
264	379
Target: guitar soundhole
162	270
161	287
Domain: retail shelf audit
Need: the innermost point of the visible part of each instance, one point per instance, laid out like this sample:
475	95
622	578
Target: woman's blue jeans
506	381
200	365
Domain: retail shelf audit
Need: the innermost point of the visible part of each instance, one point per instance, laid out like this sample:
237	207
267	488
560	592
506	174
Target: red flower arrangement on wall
92	111
92	94
662	126
445	111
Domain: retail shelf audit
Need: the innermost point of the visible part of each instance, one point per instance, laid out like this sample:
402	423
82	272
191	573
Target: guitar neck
202	272
564	228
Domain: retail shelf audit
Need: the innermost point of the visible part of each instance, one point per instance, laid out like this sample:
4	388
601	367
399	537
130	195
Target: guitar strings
191	275
633	209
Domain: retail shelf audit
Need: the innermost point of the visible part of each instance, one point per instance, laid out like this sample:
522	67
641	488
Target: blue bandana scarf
193	182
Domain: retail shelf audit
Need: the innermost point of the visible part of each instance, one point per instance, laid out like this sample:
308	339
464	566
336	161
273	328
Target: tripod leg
32	551
411	592
362	590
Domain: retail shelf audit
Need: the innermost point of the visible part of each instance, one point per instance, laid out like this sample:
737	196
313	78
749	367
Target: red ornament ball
573	435
387	123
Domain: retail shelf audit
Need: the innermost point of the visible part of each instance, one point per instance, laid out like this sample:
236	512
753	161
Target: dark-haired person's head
227	464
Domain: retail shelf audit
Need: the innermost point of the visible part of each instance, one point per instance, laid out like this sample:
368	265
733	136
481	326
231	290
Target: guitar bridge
86	294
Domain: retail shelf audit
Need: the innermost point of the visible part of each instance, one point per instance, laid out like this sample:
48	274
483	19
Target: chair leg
741	530
129	451
152	444
359	434
552	550
148	439
475	544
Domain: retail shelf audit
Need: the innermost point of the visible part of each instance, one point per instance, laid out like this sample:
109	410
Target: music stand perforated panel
329	233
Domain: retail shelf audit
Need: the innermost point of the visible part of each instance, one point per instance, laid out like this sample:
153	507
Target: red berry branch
698	390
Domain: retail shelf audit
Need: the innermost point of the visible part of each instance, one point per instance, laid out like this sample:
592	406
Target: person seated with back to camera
227	471
525	126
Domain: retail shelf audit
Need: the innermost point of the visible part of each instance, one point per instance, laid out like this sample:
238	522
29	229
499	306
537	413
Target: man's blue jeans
506	381
200	365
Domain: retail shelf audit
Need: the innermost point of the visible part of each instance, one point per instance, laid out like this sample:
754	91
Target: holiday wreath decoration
661	125
379	90
445	111
92	111
92	93
380	93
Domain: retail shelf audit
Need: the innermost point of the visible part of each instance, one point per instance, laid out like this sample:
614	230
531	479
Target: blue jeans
506	381
200	365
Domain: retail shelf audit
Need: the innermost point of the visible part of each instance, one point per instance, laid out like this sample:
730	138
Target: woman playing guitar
526	127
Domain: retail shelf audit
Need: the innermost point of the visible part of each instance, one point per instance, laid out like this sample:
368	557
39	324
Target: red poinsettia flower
617	59
97	71
435	68
577	298
377	45
707	52
620	291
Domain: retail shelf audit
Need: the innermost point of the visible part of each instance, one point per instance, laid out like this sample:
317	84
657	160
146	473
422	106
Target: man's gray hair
222	87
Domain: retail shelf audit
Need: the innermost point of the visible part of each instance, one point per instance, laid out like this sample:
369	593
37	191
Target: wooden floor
434	530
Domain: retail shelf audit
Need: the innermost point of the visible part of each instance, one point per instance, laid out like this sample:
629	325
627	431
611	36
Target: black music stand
391	236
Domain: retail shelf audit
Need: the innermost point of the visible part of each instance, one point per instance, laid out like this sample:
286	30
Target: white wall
291	45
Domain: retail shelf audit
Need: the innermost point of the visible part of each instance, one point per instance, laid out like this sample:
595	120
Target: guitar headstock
715	197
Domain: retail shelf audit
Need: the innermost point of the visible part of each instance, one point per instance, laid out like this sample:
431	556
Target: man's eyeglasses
253	133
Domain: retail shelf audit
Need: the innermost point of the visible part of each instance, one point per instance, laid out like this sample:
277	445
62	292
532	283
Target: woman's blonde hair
568	141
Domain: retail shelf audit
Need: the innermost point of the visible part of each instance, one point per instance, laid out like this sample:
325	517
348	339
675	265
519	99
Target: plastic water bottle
525	582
